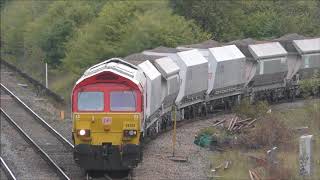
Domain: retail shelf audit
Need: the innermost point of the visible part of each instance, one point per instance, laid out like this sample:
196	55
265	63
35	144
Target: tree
125	27
51	31
160	28
235	19
15	16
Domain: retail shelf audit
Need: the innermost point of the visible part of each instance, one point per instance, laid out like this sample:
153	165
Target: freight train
116	104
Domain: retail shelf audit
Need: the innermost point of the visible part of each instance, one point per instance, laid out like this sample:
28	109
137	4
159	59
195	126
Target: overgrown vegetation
270	131
278	128
311	87
247	110
229	20
71	36
126	27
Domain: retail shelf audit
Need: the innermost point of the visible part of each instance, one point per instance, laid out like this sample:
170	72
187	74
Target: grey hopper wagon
309	50
203	48
228	70
170	81
193	75
152	88
251	63
272	66
293	58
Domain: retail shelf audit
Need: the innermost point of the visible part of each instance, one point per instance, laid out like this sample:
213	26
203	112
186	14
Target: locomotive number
130	125
107	120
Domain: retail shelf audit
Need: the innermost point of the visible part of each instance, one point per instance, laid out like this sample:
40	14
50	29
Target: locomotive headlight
129	133
83	132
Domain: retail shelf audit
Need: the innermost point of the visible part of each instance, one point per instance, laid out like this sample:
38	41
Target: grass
237	159
288	156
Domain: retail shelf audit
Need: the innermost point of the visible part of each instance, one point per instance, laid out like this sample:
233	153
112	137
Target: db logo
106	120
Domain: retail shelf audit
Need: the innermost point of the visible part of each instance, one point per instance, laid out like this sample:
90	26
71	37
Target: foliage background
72	35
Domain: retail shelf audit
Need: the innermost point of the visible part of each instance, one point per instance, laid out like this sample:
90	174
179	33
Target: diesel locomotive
107	116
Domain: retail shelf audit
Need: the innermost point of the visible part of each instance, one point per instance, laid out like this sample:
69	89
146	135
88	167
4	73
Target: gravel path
49	143
3	175
157	165
42	105
21	157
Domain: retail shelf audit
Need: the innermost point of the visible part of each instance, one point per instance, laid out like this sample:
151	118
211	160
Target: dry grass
269	131
288	154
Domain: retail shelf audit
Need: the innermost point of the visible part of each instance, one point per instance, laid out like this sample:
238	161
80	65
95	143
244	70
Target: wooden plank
216	124
248	119
251	176
241	126
230	123
251	122
233	124
219	166
226	165
255	174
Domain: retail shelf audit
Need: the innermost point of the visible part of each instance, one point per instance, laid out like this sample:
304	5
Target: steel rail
44	155
40	119
7	169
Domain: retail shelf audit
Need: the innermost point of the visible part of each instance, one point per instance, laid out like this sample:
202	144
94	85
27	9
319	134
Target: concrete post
305	155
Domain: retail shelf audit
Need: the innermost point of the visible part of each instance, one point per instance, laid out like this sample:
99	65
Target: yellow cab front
106	126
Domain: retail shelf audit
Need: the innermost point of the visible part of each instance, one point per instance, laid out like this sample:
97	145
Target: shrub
247	110
311	87
269	131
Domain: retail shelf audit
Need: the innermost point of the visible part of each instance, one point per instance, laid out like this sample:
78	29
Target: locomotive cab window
90	101
123	101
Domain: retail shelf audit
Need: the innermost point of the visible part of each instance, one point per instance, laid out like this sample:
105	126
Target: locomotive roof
267	50
115	65
225	53
307	46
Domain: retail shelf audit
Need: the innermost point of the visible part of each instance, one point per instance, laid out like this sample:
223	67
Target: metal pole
46	75
174	130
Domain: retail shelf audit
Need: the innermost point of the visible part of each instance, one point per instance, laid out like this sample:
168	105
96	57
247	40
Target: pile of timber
236	123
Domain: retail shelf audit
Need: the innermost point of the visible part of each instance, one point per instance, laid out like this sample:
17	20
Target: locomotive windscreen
90	101
123	101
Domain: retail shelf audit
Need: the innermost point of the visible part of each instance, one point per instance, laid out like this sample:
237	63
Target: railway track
57	148
7	170
37	149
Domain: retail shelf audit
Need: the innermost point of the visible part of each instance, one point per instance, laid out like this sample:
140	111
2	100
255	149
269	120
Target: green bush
247	110
311	87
